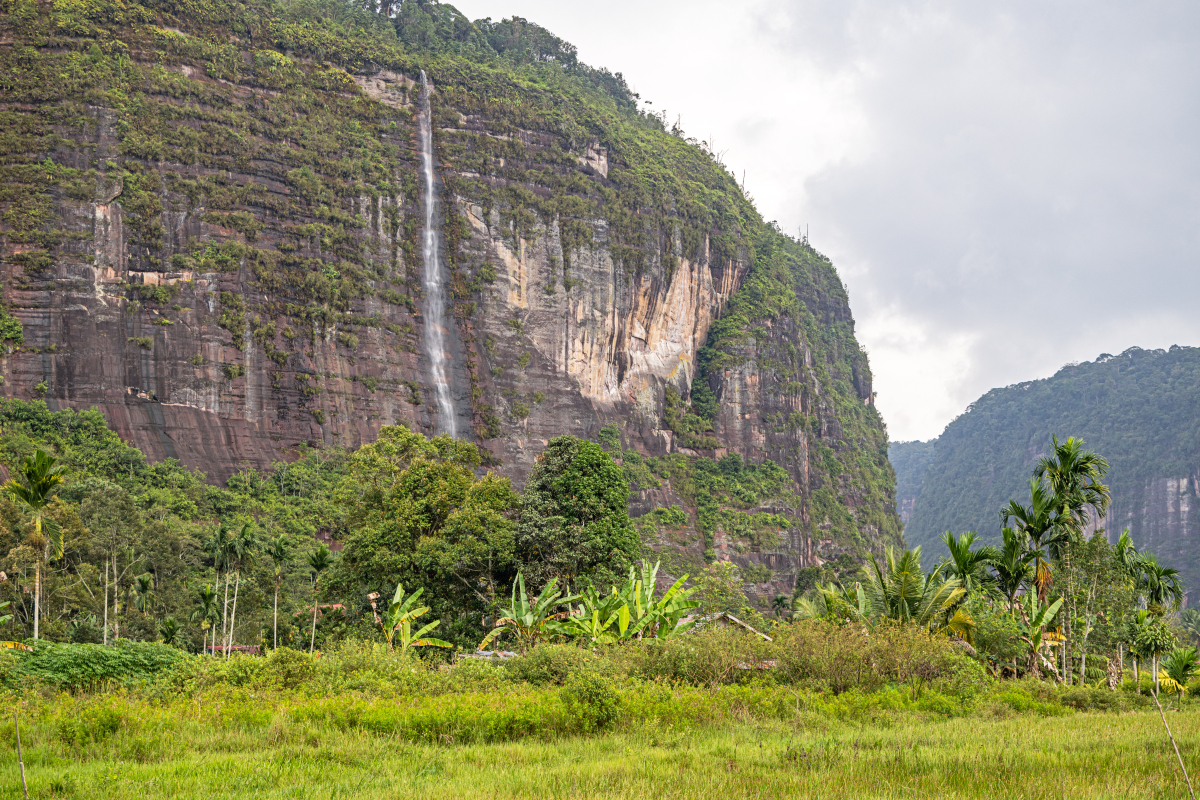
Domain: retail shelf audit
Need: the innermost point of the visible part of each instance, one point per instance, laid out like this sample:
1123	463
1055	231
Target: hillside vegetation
1139	409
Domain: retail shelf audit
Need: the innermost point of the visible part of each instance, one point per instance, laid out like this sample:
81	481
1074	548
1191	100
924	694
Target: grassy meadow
673	720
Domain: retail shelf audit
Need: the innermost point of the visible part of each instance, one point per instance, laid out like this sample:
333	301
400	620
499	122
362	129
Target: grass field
1013	755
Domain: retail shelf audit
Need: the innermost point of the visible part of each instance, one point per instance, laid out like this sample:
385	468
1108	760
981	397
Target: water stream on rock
435	293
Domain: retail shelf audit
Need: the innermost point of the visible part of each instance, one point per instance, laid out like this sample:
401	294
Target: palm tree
399	617
1127	555
40	481
220	547
319	560
780	605
1039	522
1011	566
168	630
1161	585
1181	666
279	550
1189	620
967	565
905	594
143	588
1074	476
530	621
242	546
206	610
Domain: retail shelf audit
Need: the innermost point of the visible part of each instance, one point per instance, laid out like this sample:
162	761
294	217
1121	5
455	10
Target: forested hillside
1140	410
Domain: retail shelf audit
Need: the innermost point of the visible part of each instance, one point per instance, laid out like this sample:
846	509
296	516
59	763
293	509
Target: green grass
991	754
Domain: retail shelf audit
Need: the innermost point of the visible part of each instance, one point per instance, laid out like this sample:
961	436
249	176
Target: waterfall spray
435	294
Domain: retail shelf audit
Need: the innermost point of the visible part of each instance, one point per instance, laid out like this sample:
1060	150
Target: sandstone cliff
210	225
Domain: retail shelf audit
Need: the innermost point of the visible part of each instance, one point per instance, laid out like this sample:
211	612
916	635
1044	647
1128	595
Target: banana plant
398	621
632	612
531	622
1034	634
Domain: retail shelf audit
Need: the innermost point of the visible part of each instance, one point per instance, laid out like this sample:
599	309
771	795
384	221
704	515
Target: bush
591	702
710	657
553	664
86	666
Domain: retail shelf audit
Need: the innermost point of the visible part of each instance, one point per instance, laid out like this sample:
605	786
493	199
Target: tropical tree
1159	584
1012	566
1150	639
1037	619
1180	666
1127	555
903	593
205	611
243	547
780	605
319	560
1074	476
37	481
279	550
1040	524
398	620
168	630
220	547
144	597
968	565
1189	620
529	621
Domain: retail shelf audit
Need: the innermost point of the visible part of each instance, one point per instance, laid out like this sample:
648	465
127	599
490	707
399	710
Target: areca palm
1127	555
319	560
1040	524
279	550
1161	585
220	547
243	546
143	588
206	610
1189	620
399	617
1181	665
968	565
40	479
1012	566
1074	476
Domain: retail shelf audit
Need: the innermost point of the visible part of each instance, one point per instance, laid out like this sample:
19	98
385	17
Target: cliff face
1137	409
210	231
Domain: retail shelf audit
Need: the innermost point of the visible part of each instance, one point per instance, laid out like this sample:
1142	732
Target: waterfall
435	292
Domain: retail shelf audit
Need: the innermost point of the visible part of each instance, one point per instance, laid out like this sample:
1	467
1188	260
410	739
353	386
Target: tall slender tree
39	480
243	548
279	550
967	564
205	611
1039	523
319	560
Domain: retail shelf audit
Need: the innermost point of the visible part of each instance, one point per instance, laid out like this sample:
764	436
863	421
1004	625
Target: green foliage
574	521
78	667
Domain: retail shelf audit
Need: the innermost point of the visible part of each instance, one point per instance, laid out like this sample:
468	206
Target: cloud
1005	188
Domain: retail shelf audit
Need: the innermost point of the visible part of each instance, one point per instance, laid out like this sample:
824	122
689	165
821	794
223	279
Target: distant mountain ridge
1140	410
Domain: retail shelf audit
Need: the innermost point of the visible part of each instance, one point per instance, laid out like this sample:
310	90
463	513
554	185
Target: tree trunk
312	639
1137	678
37	596
106	602
275	620
1154	667
233	616
225	611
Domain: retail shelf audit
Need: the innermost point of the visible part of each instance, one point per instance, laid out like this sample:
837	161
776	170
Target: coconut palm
206	610
1039	523
532	621
398	620
968	565
1159	584
39	480
279	550
319	560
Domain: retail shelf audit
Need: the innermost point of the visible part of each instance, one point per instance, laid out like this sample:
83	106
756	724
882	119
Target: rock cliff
210	224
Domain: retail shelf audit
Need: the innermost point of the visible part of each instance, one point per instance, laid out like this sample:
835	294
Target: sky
1004	188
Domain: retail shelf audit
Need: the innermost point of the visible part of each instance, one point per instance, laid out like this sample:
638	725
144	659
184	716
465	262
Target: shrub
288	668
553	664
84	666
591	702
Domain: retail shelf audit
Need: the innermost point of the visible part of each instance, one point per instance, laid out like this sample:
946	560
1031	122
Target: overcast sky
1004	187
